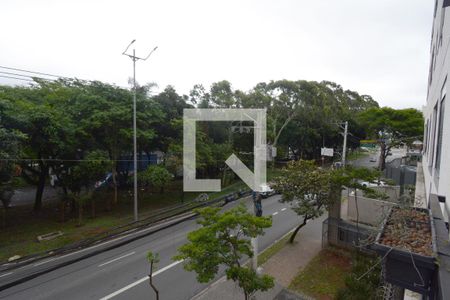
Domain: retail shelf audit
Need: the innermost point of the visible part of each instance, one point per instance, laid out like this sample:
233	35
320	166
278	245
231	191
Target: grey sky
380	48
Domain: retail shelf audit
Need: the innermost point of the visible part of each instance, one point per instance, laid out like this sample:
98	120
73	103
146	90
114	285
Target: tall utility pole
344	150
134	58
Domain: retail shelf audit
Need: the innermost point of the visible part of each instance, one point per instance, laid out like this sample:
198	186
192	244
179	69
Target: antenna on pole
154	49
124	52
134	58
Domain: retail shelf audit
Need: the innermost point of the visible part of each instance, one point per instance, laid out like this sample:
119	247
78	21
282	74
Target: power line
69	160
17	78
33	72
45	74
30	78
17	74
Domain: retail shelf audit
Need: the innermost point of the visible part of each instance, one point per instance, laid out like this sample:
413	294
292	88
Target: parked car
373	184
373	159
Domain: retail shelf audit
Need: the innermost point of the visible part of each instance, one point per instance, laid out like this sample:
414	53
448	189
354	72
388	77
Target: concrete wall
370	211
393	192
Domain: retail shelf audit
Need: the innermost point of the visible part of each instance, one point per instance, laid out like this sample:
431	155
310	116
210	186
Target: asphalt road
374	156
121	273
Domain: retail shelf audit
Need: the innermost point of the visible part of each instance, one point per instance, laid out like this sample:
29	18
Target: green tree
49	130
357	179
392	127
81	178
306	188
153	259
9	151
157	176
106	121
224	240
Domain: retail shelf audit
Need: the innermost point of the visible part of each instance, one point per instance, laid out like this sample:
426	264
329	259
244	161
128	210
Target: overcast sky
380	48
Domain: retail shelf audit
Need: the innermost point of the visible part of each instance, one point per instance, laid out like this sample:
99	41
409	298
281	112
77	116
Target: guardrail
122	230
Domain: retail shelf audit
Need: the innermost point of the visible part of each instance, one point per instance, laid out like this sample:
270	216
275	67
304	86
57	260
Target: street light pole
136	217
344	150
134	58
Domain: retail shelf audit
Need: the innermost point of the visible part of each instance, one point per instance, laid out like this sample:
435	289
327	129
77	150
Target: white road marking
115	259
3	275
140	281
44	262
95	246
275	213
283	209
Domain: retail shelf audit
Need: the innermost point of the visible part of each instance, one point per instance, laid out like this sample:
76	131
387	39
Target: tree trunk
80	214
150	278
92	208
291	239
62	210
4	212
40	187
224	176
382	164
114	178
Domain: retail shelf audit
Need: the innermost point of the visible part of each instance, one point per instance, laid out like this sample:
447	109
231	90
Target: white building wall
438	181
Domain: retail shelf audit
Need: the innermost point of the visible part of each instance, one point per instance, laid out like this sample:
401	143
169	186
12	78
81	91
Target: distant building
436	144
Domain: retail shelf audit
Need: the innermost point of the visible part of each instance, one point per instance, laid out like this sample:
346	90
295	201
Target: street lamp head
128	46
154	49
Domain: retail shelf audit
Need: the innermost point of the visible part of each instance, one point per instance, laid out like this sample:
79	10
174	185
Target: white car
373	184
266	191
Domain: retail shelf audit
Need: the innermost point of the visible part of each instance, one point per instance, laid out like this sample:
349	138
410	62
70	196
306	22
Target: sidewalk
283	266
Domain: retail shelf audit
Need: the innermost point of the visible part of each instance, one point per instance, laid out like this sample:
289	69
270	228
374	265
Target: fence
340	233
401	173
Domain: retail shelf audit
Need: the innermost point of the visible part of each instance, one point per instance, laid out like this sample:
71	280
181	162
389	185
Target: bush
157	176
362	288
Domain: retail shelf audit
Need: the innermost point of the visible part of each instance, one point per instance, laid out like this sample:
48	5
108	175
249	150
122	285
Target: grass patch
264	256
357	154
324	275
19	237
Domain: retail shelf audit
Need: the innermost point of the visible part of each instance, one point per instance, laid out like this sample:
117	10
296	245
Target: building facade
436	146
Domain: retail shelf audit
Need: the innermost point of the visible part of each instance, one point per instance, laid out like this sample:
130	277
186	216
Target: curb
95	252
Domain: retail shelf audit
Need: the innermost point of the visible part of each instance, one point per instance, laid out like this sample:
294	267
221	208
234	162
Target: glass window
433	135
440	133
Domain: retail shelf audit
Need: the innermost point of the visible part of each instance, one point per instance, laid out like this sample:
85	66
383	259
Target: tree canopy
392	127
64	120
224	240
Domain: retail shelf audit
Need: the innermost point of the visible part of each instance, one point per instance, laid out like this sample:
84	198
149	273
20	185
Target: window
439	135
441	27
433	135
425	142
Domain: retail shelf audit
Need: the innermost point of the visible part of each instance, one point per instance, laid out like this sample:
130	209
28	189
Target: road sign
326	152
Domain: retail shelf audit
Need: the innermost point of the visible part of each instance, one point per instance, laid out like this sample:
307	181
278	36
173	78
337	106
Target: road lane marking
275	213
283	209
44	262
3	275
140	281
98	245
115	259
